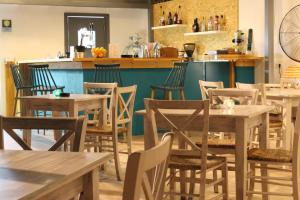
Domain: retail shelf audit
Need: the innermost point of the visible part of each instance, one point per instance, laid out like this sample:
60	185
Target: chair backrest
242	96
139	163
125	106
108	73
109	89
17	76
176	77
180	117
75	130
205	85
262	99
41	77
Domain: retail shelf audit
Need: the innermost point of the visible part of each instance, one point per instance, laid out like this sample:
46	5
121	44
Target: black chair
19	85
174	82
108	73
42	79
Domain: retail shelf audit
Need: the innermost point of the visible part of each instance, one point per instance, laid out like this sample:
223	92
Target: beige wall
38	31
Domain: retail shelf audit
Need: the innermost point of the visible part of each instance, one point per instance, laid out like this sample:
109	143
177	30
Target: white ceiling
82	3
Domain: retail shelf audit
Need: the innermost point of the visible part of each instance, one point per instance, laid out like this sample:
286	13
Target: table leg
90	186
263	132
73	112
26	111
287	140
241	127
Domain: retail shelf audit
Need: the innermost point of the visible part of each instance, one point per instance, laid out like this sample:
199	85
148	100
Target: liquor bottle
210	24
216	23
162	21
196	25
170	20
222	23
203	25
179	15
175	19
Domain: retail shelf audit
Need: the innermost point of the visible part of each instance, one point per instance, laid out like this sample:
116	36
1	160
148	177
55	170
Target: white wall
38	31
281	9
252	15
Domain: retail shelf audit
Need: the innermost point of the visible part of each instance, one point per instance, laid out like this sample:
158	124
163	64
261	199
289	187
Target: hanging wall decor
6	25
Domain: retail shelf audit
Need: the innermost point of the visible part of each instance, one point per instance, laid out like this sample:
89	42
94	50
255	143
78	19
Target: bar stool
42	79
19	85
174	82
108	73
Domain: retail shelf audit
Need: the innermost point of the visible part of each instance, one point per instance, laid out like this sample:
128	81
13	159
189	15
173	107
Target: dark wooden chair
42	79
174	82
20	86
108	73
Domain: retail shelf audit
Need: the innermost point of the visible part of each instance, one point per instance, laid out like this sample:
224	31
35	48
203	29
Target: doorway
86	29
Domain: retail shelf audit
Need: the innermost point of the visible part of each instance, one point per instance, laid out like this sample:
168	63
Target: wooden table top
239	111
75	97
283	93
23	174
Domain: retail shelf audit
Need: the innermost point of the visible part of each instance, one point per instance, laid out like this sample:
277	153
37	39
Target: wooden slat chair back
75	130
205	85
109	89
290	77
240	96
262	100
157	113
270	159
139	163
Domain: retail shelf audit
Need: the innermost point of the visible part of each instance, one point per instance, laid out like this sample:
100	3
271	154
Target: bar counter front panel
73	74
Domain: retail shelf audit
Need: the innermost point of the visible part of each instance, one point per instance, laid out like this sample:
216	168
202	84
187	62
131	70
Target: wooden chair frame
74	127
154	115
205	85
139	163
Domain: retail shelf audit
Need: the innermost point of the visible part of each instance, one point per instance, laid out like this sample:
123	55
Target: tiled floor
111	189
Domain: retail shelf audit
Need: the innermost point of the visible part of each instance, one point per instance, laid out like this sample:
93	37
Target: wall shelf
169	26
205	33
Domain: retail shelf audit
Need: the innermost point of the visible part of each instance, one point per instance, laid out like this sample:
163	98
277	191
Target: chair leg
202	185
181	94
165	95
129	141
295	182
15	103
278	138
264	184
192	184
116	155
182	175
251	181
172	183
215	177
170	95
153	93
225	181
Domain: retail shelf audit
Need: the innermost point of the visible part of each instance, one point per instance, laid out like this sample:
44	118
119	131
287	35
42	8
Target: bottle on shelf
175	18
196	25
162	21
222	23
210	24
179	15
170	19
216	23
203	25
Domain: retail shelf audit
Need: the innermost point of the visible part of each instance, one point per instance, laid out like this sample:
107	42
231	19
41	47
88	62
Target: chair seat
104	131
219	143
271	155
189	162
163	87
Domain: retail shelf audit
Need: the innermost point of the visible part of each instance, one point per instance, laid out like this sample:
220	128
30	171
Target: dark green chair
108	73
174	82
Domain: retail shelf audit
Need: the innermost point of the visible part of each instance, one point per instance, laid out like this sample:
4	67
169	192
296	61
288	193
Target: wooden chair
188	157
205	85
276	116
139	163
120	109
290	77
75	130
268	159
174	82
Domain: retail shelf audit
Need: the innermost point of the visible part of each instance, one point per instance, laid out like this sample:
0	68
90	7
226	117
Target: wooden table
290	98
238	120
72	105
49	175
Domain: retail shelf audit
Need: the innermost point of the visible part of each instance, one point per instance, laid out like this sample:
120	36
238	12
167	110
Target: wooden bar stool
174	82
108	73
